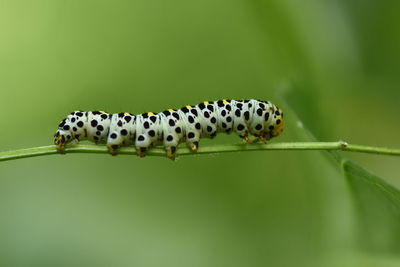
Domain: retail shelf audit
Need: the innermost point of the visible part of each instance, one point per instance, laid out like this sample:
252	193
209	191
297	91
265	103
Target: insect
171	127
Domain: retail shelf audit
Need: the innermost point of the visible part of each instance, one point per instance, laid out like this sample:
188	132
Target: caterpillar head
277	123
61	138
63	134
73	127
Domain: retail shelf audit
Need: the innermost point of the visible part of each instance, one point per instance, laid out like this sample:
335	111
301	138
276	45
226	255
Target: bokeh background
334	65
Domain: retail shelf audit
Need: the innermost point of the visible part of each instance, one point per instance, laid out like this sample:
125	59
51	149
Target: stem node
343	144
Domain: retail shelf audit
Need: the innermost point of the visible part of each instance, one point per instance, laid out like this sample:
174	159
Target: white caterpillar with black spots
261	119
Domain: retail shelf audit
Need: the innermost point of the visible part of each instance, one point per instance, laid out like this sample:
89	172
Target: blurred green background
333	63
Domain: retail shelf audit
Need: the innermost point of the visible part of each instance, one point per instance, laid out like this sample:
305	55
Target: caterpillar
258	118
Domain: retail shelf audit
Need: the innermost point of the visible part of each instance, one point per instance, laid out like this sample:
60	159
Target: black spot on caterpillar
171	127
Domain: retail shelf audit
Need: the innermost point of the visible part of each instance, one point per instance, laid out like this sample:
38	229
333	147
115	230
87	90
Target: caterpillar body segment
171	127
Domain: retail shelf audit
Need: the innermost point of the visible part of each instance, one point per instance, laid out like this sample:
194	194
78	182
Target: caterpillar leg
246	139
262	139
141	151
193	145
267	136
112	149
171	152
192	140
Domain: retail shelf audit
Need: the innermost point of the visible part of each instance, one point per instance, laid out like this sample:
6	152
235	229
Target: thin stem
183	151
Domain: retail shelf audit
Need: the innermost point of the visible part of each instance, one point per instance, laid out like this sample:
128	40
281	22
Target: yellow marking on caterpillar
150	113
206	102
101	111
189	106
171	110
77	110
127	113
224	101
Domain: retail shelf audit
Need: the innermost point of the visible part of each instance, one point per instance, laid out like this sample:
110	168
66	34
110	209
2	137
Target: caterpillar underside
261	119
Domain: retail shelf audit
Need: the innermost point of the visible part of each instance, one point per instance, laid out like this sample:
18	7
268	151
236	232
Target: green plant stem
183	151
